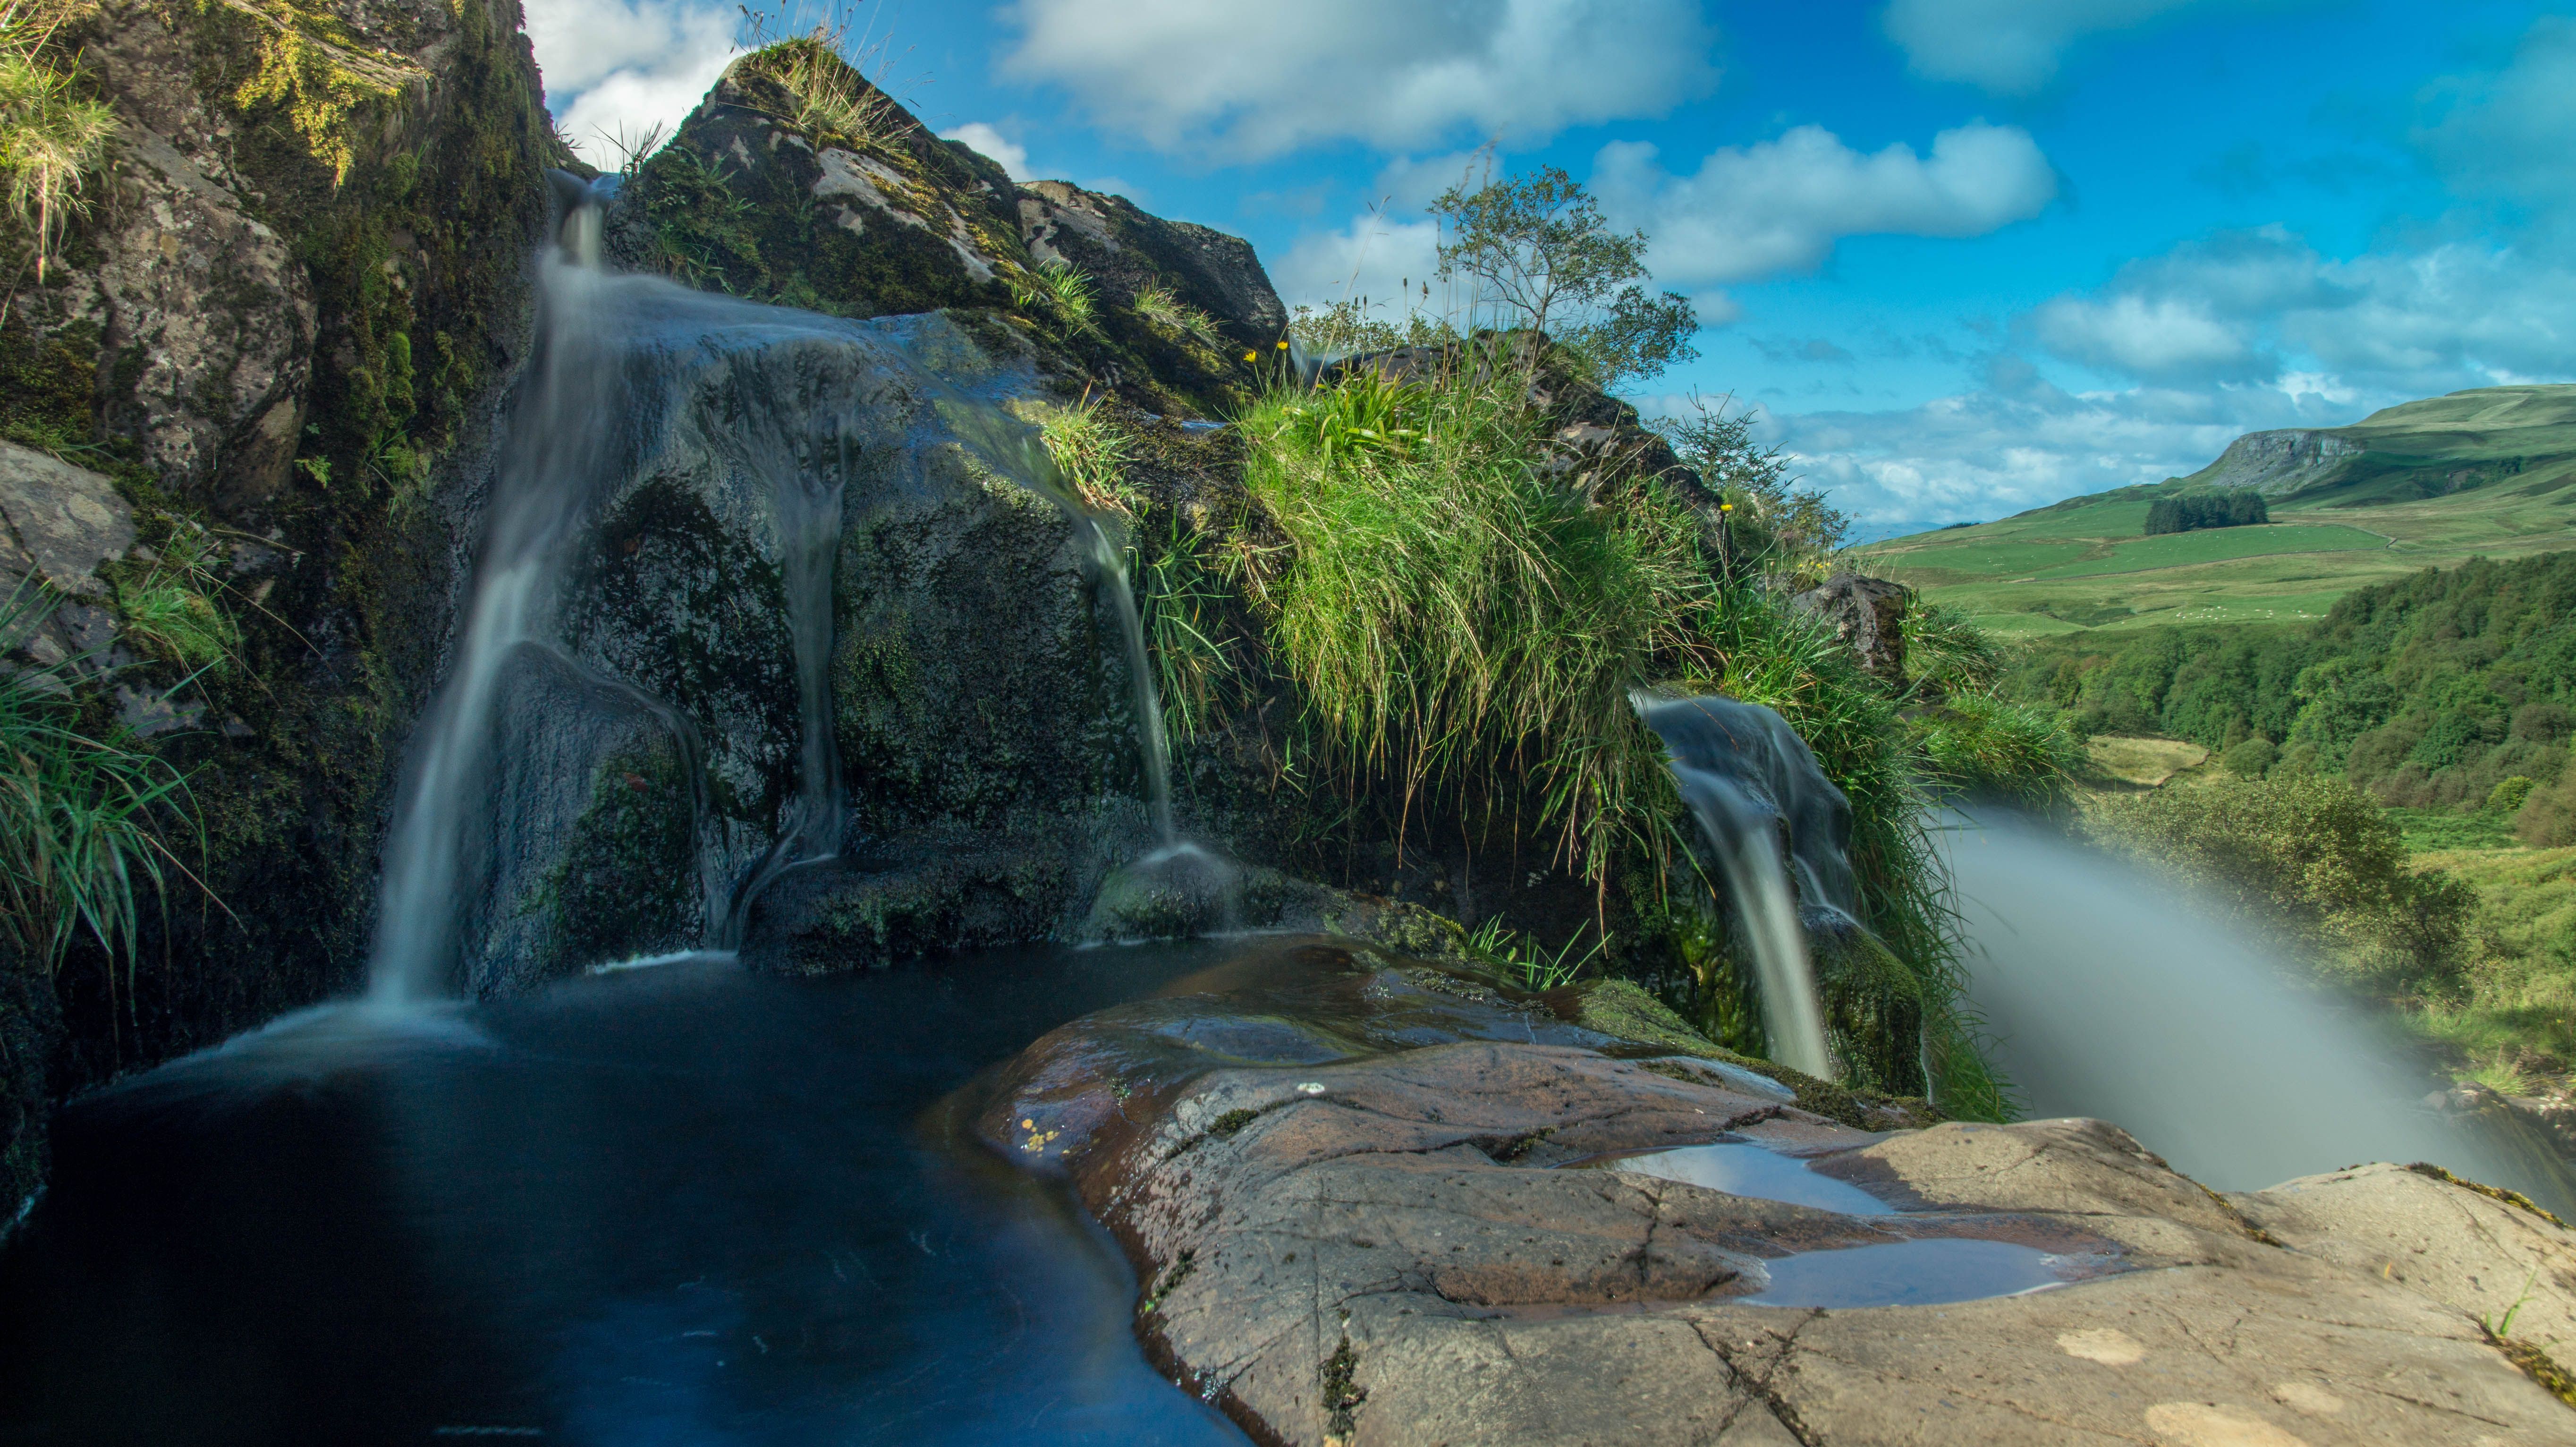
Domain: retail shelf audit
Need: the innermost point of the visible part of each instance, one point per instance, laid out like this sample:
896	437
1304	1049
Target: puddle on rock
1933	1272
1743	1169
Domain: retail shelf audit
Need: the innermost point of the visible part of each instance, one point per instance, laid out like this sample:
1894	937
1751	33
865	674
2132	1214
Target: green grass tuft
80	817
1058	291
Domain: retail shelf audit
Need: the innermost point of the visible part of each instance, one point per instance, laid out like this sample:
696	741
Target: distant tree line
2451	687
2183	512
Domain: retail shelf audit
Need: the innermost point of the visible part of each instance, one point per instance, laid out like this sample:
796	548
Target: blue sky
1963	257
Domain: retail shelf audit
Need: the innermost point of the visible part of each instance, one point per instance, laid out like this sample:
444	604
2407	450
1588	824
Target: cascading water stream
2110	992
616	355
1747	777
1150	742
554	441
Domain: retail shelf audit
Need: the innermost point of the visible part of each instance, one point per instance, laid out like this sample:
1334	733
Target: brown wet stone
1380	1248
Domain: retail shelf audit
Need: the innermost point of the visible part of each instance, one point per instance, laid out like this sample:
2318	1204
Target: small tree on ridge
1538	248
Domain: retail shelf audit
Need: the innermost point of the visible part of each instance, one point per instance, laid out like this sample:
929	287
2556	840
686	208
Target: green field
2486	473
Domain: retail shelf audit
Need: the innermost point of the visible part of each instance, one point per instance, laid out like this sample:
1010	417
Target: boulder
1868	615
61	522
1374	1201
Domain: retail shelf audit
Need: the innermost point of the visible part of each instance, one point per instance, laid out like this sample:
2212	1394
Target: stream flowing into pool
687	1204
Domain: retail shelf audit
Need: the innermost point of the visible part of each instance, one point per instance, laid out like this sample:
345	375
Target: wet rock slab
1372	1200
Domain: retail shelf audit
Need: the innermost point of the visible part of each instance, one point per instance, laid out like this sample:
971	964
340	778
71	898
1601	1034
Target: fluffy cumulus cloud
2260	305
2225	335
2010	47
1780	206
1247	81
1385	260
1013	156
614	69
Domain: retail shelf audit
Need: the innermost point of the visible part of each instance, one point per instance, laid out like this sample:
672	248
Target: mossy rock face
1873	1011
974	671
944	890
593	852
289	324
30	1028
743	200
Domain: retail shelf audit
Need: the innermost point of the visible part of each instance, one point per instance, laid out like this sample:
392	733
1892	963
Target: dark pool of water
682	1205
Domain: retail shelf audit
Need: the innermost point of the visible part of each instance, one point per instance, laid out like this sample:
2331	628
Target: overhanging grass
1465	631
1453	615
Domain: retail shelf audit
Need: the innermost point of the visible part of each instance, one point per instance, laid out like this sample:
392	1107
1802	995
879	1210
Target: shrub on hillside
2251	758
2308	856
2547	817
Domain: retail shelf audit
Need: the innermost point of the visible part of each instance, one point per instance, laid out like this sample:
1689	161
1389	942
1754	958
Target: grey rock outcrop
1343	1239
1111	239
2281	462
61	522
1868	615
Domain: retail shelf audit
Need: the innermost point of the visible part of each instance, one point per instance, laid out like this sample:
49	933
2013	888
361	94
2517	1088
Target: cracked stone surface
1349	1188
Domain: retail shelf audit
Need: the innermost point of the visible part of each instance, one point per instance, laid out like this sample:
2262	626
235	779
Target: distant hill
2489	472
2431	448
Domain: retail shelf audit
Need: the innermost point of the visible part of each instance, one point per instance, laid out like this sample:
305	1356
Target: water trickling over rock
1770	816
642	688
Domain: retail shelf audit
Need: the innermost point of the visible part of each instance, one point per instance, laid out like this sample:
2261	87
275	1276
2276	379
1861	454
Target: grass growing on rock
1465	634
80	828
1451	613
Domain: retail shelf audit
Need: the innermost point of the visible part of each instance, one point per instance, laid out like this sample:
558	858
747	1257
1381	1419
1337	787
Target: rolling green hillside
2490	472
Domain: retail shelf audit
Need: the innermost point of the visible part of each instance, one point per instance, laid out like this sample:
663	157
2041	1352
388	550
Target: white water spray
2112	994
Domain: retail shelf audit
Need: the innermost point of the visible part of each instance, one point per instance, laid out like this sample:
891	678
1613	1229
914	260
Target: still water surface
678	1205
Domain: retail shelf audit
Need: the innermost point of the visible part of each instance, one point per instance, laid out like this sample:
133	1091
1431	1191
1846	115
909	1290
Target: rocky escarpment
2280	463
1375	1203
273	349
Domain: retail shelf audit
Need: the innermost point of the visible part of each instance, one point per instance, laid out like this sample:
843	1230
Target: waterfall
2110	992
616	357
553	441
1750	780
1153	748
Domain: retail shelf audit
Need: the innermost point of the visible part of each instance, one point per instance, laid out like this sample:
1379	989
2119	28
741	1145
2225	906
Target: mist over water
2111	993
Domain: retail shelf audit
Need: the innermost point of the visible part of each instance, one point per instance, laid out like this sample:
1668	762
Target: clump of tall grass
1527	963
1157	304
80	817
1453	615
1091	452
1183	598
1977	744
52	139
828	99
1058	291
169	612
1464	629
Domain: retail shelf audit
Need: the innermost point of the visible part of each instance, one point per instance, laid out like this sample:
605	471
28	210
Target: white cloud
1249	81
2020	442
2143	336
2258	305
1414	184
1375	257
616	68
1780	206
2011	47
1014	158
